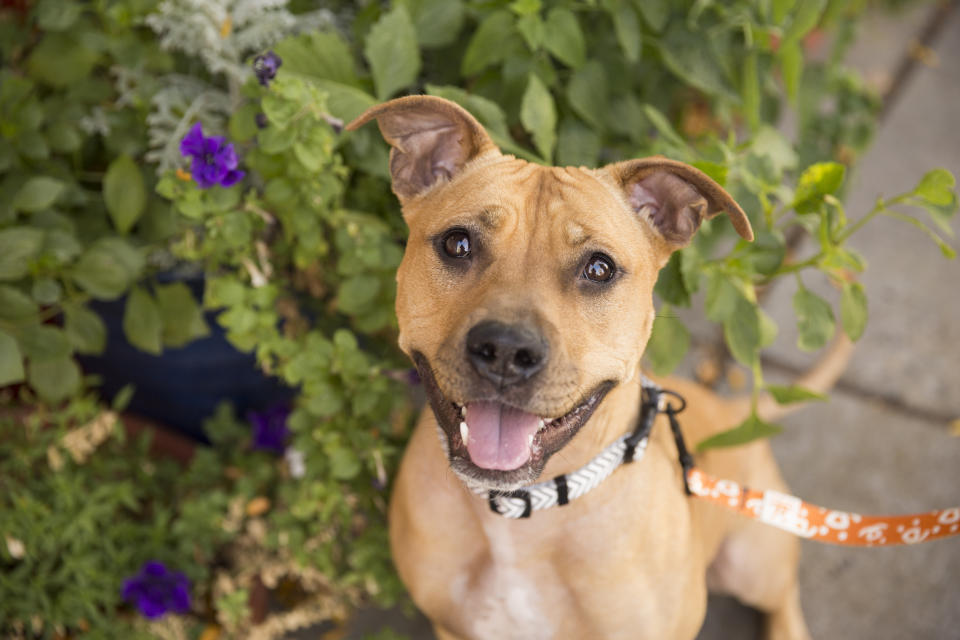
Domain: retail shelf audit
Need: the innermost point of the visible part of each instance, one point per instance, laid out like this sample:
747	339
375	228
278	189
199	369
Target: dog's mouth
493	445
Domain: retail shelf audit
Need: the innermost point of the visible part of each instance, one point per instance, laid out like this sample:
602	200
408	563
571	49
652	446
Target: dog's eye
600	268
456	243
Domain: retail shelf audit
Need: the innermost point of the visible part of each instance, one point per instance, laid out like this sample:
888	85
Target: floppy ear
676	197
431	139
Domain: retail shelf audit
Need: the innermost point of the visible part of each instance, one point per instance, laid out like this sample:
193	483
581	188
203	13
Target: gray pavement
882	443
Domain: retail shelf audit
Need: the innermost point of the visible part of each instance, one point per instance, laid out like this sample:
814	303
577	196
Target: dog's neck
615	416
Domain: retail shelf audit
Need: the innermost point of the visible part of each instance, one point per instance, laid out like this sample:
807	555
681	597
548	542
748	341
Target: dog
525	300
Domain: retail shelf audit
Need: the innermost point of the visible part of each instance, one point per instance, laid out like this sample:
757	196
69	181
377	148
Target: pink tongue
499	436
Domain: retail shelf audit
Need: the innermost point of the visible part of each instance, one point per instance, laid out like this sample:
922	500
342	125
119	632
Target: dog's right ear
431	139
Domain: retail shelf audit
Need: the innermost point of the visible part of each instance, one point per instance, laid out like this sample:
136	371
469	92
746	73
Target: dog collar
566	487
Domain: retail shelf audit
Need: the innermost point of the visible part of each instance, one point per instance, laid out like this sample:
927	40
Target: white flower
295	462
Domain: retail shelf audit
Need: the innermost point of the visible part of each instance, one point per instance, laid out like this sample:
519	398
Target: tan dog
525	300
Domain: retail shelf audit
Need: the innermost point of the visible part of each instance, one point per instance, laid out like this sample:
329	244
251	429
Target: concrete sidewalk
882	443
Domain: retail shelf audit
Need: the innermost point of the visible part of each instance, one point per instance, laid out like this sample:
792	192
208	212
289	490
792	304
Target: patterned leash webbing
824	525
789	513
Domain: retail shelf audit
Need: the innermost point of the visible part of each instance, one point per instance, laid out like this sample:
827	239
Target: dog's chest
505	595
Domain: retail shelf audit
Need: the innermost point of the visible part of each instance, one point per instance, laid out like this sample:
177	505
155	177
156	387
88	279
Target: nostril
524	359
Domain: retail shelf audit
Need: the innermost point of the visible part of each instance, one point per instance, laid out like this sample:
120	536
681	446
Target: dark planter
181	387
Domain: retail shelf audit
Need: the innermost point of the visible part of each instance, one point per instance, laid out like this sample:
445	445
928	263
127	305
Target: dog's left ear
675	197
431	139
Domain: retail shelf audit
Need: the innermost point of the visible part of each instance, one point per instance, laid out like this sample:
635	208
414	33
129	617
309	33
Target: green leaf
44	342
793	394
322	54
46	291
781	8
11	362
37	193
564	39
936	194
818	180
791	66
815	321
16	307
344	463
670	285
279	111
124	193
767	251
654	12
577	144
55	15
627	28
142	322
741	330
936	187
721	297
768	329
668	343
84	329
533	30
180	314
805	18
486	45
714	170
753	428
61	59
242	127
18	247
438	22
663	126
223	292
587	93
122	400
843	258
391	49
356	293
853	310
107	268
538	114
691	58
323	401
54	380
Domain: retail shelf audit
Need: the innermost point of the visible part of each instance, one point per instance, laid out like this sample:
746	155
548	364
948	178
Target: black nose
504	354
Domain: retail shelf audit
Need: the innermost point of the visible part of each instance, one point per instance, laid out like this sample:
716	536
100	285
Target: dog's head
525	292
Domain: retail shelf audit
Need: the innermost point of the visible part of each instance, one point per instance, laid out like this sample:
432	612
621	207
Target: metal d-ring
670	407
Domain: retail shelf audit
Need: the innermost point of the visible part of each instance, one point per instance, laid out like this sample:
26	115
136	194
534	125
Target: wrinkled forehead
571	204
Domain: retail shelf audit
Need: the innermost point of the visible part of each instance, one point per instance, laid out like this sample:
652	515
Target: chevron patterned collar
570	486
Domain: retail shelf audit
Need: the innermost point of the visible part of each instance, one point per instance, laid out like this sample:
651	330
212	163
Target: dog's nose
505	354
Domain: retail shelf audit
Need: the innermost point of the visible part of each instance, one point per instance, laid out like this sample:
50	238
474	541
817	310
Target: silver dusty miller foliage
224	35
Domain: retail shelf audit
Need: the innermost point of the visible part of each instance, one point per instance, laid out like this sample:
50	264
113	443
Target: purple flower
157	590
213	161
270	431
265	67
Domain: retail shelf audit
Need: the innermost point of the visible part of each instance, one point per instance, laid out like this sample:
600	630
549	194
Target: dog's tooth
541	425
464	432
530	440
463	411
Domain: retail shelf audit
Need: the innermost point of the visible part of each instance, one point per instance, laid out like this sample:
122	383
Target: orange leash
793	515
824	525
